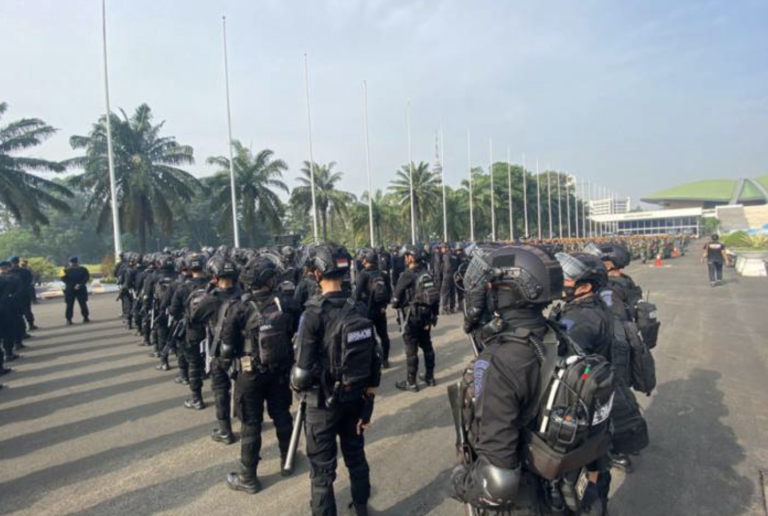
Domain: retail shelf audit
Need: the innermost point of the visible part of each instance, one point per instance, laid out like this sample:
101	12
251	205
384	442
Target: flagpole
568	203
368	162
559	206
511	216
589	203
584	226
493	197
538	197
471	193
235	228
110	155
549	203
410	171
311	150
442	179
525	198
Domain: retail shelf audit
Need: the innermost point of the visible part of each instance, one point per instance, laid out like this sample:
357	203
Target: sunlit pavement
89	427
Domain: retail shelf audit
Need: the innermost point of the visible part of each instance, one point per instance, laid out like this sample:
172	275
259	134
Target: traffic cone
659	263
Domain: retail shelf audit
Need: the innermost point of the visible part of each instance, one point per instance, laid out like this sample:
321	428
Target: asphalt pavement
89	427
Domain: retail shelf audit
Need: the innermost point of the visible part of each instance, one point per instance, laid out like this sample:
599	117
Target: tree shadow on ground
690	466
80	364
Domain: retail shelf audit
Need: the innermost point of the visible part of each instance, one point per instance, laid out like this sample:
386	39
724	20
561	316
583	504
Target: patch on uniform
480	367
357	336
607	296
568	323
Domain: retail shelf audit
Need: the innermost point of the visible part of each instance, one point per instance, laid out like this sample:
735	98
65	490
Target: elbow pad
301	379
227	350
496	487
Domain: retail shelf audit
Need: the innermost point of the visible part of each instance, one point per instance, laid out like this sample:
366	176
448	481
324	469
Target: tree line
161	203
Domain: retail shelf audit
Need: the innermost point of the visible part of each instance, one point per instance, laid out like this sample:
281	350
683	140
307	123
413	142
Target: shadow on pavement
690	466
80	364
422	501
114	340
73	337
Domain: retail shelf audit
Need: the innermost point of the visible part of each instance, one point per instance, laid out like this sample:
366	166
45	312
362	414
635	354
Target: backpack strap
548	345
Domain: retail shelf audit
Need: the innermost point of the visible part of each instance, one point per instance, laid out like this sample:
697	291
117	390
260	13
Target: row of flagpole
589	227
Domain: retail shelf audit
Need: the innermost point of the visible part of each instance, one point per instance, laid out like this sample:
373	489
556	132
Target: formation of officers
543	413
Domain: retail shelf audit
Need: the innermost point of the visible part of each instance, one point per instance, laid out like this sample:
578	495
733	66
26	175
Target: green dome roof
715	190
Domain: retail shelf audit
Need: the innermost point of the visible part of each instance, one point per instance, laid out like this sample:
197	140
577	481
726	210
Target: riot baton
301	415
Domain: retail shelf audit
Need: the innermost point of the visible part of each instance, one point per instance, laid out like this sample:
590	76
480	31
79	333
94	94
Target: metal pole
235	228
493	196
589	203
511	216
471	186
410	172
549	203
368	162
442	179
525	198
110	155
538	197
311	149
559	206
568	203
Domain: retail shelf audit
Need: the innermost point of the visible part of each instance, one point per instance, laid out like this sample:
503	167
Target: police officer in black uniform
372	288
418	317
161	299
449	264
76	288
185	301
212	312
27	294
256	341
523	281
10	312
307	288
337	406
716	257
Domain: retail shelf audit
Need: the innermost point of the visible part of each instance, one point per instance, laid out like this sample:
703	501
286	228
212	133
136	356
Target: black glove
458	479
367	413
591	504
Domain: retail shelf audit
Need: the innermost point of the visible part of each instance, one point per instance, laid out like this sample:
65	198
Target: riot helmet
258	272
582	268
330	260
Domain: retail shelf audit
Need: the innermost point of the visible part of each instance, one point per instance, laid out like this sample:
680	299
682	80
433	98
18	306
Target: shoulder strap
547	366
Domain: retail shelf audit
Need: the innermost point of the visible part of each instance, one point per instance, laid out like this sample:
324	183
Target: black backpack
351	350
378	291
642	370
646	316
267	336
630	431
161	288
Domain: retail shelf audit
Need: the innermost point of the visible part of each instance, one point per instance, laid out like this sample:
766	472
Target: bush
108	268
43	268
742	240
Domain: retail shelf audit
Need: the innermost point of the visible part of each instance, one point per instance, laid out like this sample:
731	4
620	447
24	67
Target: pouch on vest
646	316
267	336
351	348
642	365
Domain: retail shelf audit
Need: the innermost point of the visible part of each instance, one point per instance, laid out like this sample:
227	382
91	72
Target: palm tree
150	185
256	179
330	201
23	194
426	194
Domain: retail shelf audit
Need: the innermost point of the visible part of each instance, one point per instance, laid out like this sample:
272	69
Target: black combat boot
385	364
407	385
429	379
358	509
5	370
245	481
181	380
196	402
163	366
622	462
86	320
69	322
223	432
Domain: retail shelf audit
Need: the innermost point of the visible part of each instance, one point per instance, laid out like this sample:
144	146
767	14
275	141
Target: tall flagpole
110	155
368	163
442	180
591	225
511	216
493	196
410	171
538	197
525	198
568	203
559	177
311	149
235	228
549	204
471	192
584	226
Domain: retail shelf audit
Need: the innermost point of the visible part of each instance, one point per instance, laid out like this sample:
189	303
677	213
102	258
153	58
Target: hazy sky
636	95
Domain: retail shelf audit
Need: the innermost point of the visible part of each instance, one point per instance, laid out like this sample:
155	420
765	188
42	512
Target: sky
634	95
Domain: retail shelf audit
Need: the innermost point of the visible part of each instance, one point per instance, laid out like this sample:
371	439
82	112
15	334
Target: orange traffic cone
659	263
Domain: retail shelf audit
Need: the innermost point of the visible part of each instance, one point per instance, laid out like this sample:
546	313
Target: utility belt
250	363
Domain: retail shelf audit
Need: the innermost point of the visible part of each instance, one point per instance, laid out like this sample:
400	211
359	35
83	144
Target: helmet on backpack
258	271
330	260
526	275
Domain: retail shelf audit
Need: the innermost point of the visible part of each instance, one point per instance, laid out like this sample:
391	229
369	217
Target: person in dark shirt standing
372	288
714	253
9	314
76	280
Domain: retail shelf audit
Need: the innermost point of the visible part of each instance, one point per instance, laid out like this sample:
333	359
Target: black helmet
181	264
583	268
419	254
196	262
148	260
616	253
715	237
288	252
220	267
223	250
532	276
258	271
164	262
330	260
370	255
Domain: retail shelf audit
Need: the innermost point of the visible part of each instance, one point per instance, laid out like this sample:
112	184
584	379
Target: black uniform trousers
81	296
448	295
418	336
126	299
221	384
323	426
252	391
6	335
196	364
715	270
379	320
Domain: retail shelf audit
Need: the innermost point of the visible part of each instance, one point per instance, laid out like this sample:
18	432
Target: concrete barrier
752	264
